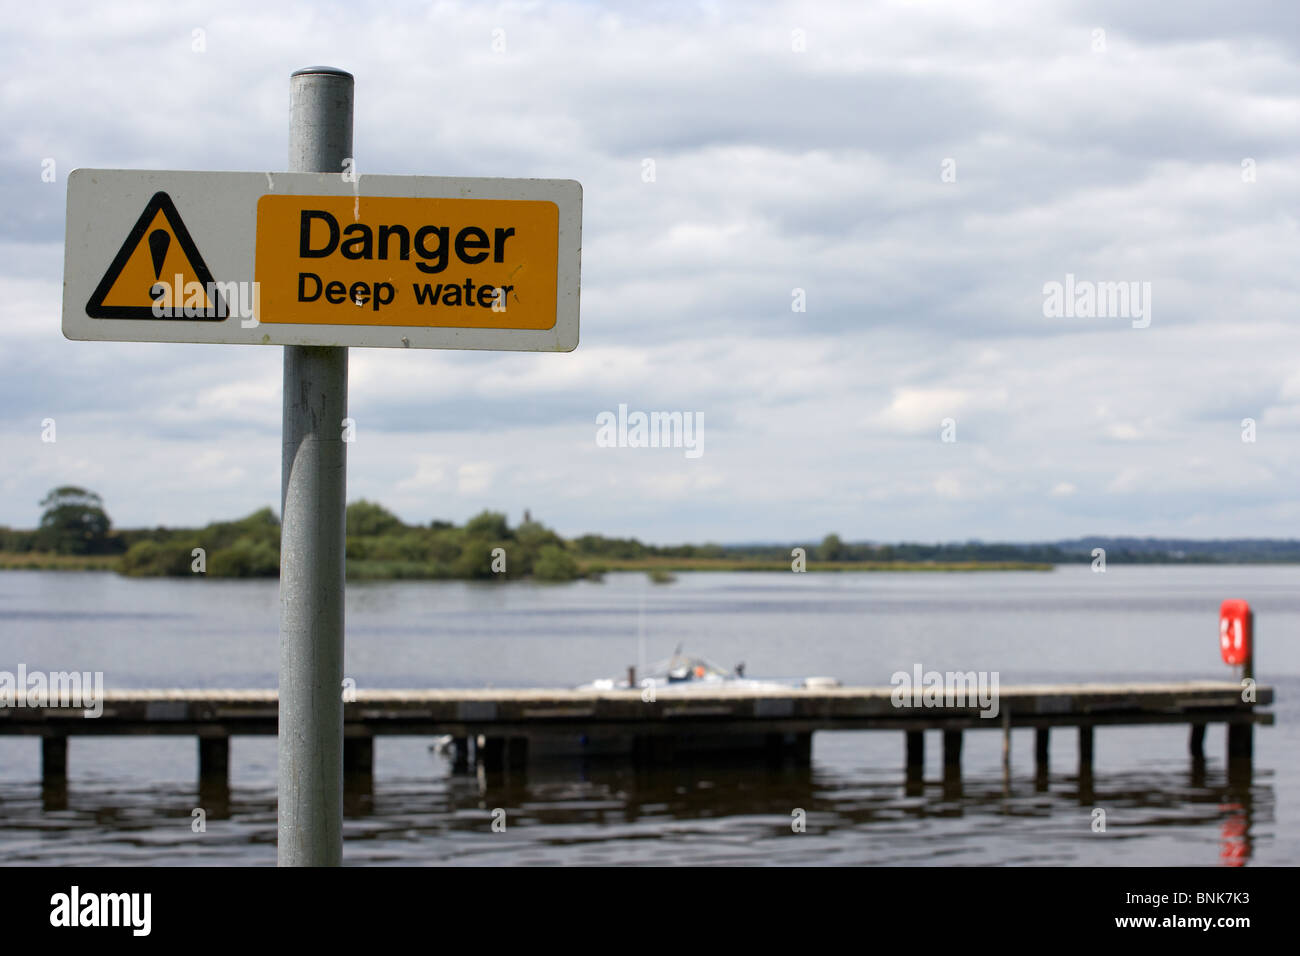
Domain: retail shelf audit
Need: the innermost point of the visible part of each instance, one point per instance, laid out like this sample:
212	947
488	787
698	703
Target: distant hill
1119	550
1177	550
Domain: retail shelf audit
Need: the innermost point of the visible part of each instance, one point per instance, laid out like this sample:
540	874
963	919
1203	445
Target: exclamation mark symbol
159	240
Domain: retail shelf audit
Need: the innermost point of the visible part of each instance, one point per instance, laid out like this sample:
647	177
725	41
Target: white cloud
474	478
1123	431
430	473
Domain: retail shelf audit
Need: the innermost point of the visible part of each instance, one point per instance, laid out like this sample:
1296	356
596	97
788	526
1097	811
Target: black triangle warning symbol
158	273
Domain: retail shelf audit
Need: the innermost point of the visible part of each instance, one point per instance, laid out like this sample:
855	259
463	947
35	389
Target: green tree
488	524
555	564
832	548
530	538
148	559
245	559
475	559
365	518
74	522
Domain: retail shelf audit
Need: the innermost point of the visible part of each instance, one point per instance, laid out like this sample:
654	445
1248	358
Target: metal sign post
312	544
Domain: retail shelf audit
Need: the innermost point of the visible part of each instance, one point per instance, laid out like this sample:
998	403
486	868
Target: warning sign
455	263
158	273
322	260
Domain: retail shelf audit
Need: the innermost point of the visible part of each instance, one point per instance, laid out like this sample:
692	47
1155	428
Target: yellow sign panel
419	262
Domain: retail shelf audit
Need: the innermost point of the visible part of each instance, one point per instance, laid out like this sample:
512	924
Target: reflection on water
612	812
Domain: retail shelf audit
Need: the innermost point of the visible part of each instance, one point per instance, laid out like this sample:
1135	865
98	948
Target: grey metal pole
313	502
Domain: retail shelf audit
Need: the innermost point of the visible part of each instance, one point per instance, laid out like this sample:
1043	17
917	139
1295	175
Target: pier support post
801	749
655	750
358	774
915	756
952	752
1006	744
952	740
54	795
1196	742
54	758
460	755
517	753
1042	756
793	749
214	797
1241	742
1241	746
1085	750
495	754
492	755
359	755
214	757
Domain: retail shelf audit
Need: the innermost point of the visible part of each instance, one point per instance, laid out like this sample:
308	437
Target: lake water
130	800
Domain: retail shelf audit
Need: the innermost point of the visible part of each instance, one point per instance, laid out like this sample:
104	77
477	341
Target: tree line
380	545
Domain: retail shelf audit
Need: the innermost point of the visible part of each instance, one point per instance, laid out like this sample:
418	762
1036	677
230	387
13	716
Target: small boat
683	672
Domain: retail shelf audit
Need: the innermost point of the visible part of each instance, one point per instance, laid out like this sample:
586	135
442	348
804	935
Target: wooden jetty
504	729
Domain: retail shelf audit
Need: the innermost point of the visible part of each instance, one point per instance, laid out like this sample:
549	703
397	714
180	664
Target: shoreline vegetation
51	561
384	571
75	534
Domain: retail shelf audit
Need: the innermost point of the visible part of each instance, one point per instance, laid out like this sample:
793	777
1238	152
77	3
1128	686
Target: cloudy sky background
775	170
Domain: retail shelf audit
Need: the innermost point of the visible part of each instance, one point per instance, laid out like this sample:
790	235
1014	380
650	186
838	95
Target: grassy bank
594	567
363	570
49	561
734	564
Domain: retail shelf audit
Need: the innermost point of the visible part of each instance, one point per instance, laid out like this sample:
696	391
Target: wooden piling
1006	743
214	756
650	750
1042	755
1196	742
54	758
1085	750
358	755
952	752
915	755
1241	741
492	755
54	795
517	753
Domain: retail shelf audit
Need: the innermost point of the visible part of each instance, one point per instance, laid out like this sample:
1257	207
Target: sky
824	231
